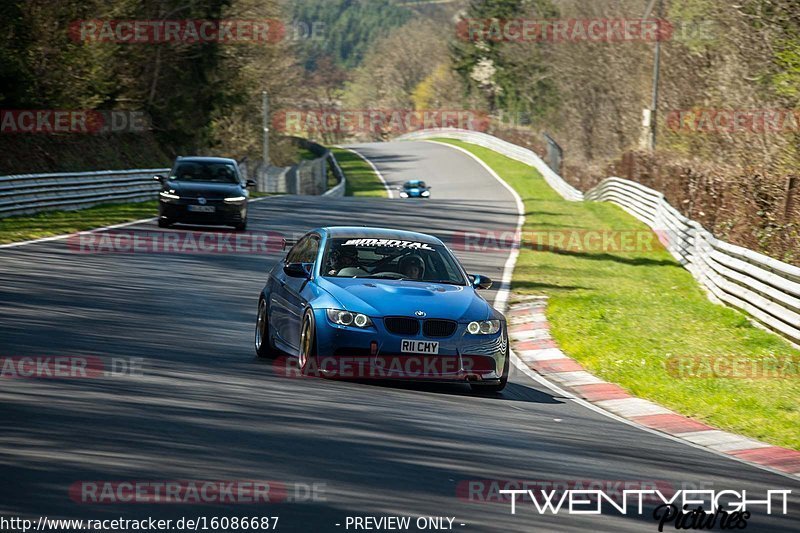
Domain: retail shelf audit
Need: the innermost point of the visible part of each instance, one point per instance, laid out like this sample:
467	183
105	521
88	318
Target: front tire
308	343
164	223
263	339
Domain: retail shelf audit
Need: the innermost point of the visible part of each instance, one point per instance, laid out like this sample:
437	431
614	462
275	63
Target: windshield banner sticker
390	243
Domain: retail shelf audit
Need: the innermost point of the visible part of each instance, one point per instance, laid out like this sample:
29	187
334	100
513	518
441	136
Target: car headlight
168	196
484	327
346	318
235	200
403	195
426	193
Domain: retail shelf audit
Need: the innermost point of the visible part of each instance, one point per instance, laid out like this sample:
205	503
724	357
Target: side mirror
480	282
159	178
295	270
250	183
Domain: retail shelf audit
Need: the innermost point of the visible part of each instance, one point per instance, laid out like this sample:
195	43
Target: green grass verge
361	179
304	154
21	228
623	315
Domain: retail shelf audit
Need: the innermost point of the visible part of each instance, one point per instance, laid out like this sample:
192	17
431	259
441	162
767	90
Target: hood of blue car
379	298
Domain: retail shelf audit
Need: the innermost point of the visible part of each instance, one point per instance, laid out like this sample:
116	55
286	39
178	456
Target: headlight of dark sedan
483	327
235	200
346	318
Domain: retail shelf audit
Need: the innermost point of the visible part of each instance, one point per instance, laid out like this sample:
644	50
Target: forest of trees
349	27
198	96
408	54
590	97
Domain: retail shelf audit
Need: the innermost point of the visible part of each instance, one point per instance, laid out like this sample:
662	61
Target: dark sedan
204	190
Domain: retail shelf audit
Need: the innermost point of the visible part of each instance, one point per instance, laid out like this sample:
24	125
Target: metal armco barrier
33	193
765	288
338	190
308	177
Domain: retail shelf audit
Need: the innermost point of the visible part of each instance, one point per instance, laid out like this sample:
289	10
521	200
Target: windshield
390	259
204	171
415	185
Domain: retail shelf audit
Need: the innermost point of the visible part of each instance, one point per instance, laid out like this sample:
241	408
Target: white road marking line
95	230
67	235
374	168
501	297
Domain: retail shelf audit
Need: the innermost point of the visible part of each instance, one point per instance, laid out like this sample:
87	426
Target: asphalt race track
205	408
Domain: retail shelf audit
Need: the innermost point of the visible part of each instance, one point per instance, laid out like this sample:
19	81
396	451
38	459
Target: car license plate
202	208
425	347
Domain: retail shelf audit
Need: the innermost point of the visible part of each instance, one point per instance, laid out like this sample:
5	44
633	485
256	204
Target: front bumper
375	353
224	214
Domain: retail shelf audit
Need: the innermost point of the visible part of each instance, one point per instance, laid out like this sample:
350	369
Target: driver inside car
344	262
412	266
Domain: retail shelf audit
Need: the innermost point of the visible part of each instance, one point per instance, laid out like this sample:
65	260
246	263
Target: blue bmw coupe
354	302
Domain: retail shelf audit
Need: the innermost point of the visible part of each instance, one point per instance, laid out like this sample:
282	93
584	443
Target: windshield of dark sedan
205	171
390	259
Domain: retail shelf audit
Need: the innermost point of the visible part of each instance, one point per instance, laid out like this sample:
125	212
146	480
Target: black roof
203	159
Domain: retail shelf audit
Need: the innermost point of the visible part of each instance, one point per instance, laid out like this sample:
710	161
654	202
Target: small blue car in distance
354	302
415	189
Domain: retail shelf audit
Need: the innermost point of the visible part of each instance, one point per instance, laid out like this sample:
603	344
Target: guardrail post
555	154
791	192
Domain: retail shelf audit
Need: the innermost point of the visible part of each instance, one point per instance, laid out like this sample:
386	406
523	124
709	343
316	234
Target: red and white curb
529	331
